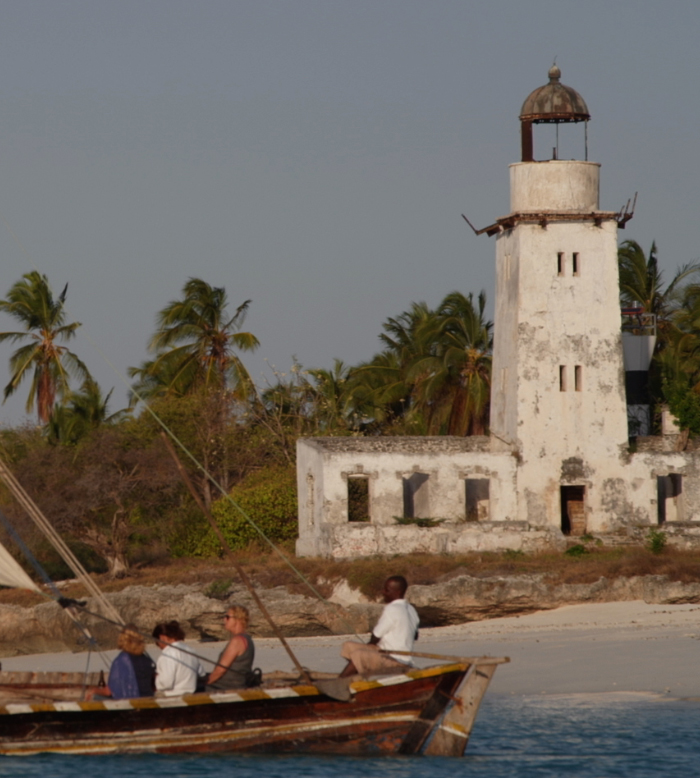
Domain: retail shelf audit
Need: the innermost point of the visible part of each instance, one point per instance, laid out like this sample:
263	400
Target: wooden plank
429	715
453	732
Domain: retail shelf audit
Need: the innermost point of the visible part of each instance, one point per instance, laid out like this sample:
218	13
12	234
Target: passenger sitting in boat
235	662
396	630
177	668
132	671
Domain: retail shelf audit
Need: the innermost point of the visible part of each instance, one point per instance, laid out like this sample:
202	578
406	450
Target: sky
314	157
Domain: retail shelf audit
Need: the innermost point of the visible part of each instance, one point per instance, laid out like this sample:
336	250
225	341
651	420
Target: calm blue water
591	737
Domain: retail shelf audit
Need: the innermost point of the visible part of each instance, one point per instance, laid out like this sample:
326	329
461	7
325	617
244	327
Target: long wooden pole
229	552
472	660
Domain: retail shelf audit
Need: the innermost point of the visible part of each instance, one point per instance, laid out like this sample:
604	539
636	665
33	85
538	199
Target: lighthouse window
562	378
578	378
560	263
575	263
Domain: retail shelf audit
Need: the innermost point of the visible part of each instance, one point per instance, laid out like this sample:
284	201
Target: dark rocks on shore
48	627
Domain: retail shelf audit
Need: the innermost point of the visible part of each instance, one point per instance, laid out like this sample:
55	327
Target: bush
656	541
576	551
269	498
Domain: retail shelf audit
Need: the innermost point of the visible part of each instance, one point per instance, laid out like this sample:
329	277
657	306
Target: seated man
396	630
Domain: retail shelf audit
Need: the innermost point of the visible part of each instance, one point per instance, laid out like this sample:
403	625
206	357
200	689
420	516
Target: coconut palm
31	302
194	345
641	283
378	391
82	412
330	396
452	378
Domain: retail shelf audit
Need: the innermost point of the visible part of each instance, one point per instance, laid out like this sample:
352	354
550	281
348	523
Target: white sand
614	647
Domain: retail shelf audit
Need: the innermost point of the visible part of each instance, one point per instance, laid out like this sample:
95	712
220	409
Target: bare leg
349	670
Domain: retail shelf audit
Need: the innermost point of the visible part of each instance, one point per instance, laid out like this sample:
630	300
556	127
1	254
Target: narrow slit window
562	378
578	378
560	264
504	378
575	264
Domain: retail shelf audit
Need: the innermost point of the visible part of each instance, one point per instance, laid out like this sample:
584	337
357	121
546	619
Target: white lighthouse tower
558	384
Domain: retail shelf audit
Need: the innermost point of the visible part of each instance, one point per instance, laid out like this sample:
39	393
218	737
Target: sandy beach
613	647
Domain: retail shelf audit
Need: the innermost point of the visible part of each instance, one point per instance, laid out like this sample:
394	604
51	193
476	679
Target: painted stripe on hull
231	740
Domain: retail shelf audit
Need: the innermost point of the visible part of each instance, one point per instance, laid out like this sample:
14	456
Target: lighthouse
558	382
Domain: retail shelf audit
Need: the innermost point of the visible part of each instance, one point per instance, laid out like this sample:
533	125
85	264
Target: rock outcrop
48	627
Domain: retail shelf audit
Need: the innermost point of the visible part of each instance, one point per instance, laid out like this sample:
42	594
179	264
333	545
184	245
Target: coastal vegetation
107	481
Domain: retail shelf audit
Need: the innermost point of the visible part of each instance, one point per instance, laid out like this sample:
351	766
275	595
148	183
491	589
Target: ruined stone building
558	461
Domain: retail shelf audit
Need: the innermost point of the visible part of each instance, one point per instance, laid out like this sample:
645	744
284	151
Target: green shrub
656	541
576	551
218	590
269	498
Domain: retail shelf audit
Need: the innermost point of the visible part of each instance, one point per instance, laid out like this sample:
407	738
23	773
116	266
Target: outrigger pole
232	557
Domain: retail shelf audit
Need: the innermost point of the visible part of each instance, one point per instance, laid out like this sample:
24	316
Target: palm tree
641	283
453	375
330	396
674	371
434	375
194	346
82	412
31	302
379	391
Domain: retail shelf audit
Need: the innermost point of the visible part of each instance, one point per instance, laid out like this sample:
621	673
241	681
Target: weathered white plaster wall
325	464
556	317
556	185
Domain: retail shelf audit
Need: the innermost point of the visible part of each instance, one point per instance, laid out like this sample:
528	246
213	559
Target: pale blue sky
313	156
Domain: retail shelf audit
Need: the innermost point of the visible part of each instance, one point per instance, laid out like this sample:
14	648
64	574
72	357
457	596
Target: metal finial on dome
554	73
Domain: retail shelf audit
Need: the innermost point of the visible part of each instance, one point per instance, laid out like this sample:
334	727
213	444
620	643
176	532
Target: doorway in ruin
477	499
416	502
573	510
669	503
358	498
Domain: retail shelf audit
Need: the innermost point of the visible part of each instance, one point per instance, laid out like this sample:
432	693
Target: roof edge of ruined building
437	444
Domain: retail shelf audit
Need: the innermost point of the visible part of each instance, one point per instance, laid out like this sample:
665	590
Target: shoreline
621	647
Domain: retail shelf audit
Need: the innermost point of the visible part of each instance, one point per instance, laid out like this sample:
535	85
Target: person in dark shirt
236	660
132	672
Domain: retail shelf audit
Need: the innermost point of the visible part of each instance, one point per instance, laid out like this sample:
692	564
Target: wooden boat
428	711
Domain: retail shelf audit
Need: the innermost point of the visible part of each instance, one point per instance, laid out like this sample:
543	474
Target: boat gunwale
227	697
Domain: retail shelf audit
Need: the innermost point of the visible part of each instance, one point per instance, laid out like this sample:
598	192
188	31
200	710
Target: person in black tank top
236	660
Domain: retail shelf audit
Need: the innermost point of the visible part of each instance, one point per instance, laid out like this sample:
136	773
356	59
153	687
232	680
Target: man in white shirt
396	630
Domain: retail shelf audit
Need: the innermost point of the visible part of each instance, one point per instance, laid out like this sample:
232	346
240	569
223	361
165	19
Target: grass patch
267	570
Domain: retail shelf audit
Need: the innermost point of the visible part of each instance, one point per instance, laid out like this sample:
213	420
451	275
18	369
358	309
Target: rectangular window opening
573	510
416	503
477	499
562	378
560	263
578	378
575	264
669	498
358	498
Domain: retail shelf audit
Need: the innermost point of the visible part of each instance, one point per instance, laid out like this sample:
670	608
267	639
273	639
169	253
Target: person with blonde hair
235	662
132	671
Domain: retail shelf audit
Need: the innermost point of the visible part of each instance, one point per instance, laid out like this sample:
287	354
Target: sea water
591	736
